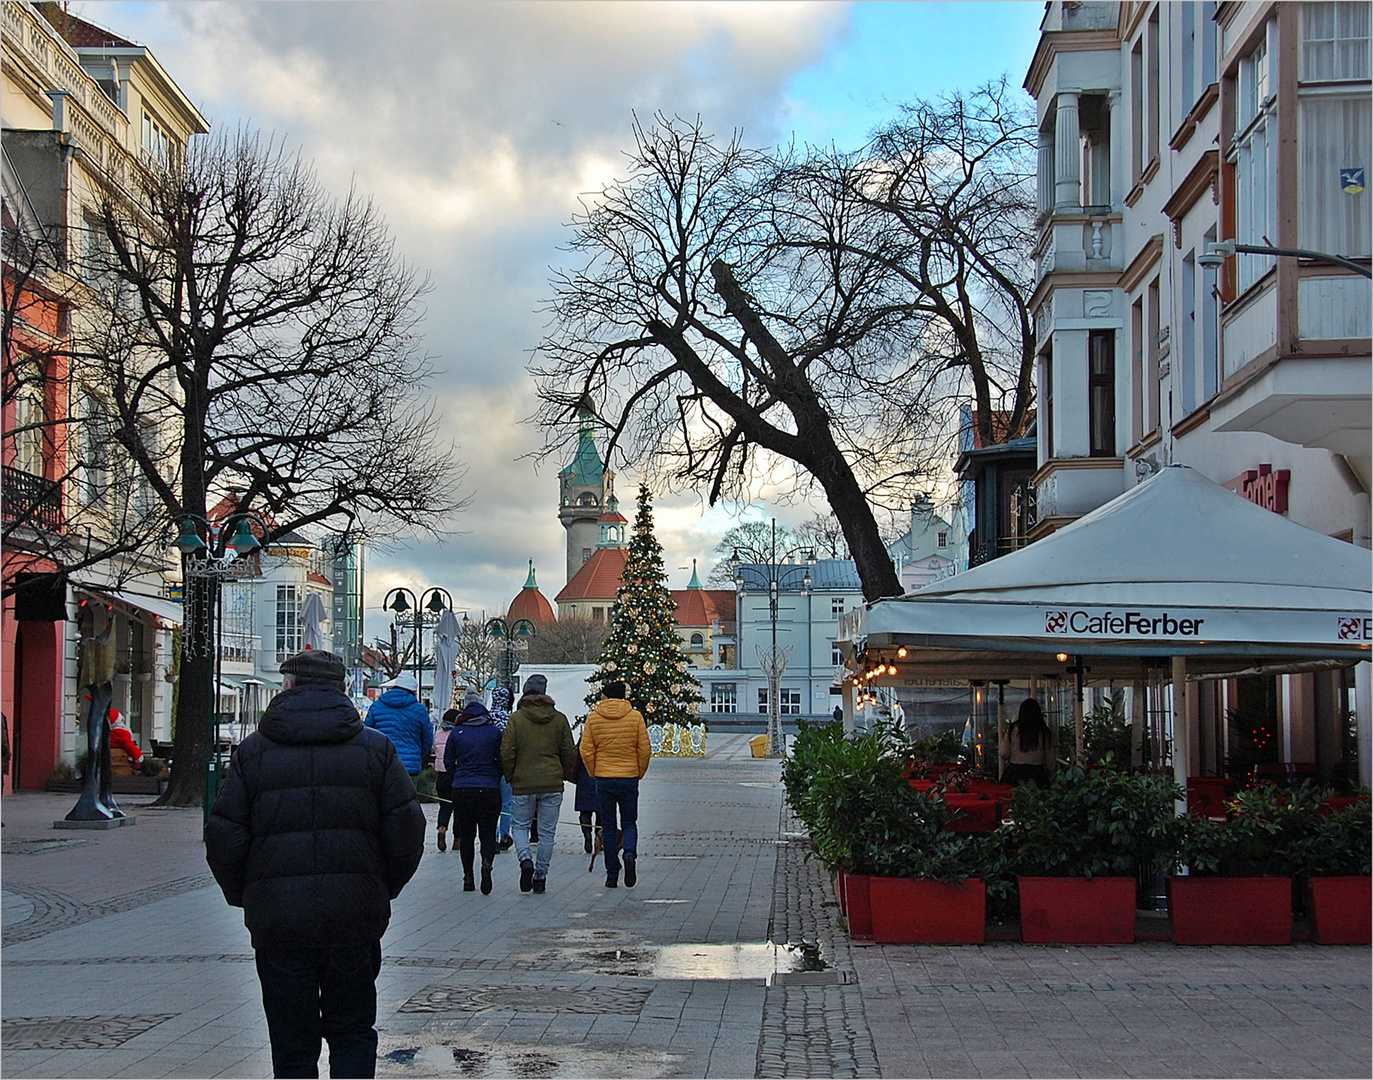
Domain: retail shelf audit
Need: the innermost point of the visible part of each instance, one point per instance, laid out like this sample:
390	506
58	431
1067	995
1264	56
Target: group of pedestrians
318	827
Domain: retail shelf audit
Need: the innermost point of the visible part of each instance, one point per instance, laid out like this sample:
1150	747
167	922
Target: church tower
583	489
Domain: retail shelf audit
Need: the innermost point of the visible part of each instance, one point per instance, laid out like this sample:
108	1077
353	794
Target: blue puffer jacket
472	755
403	720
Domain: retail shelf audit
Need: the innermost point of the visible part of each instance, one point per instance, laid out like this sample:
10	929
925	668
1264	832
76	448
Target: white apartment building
1165	128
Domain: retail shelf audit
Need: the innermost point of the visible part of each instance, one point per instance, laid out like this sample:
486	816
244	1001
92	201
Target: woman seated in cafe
1027	747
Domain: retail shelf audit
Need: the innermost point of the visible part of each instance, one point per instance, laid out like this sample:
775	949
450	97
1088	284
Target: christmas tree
642	648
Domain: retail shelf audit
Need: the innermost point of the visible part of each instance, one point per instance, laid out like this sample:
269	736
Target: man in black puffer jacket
316	830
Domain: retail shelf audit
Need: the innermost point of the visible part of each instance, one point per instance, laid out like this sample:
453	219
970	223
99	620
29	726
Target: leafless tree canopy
568	641
258	336
272	332
737	312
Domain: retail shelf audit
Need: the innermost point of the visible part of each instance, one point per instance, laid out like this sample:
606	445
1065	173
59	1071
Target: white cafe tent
1176	572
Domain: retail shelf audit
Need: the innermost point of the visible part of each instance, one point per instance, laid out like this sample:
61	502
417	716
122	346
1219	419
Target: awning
169	611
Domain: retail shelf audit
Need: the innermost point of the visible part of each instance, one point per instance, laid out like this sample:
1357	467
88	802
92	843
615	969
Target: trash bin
759	745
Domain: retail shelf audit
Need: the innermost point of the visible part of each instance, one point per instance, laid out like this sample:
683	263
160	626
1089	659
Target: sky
476	125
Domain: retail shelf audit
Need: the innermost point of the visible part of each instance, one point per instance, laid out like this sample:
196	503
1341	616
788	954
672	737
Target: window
598	614
95	450
723	697
1141	372
789	701
941	539
288	621
1187	316
1152	114
763	699
1208	43
1138	142
586	554
28	431
586	498
1094	115
836	657
698	641
1187	61
1255	166
1334	122
1154	410
238	625
1210	333
1046	396
836	605
156	145
1101	392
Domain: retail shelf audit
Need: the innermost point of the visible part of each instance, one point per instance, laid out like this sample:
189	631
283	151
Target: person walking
616	751
500	716
399	715
316	830
537	755
585	802
472	757
1027	747
443	779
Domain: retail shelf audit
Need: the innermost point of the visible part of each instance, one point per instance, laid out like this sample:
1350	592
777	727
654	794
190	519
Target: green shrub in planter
1264	830
1097	823
1332	845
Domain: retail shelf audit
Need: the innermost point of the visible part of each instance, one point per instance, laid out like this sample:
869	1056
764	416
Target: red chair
1206	795
973	813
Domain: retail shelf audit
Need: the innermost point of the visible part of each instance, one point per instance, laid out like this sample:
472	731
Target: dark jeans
618	793
475	810
443	788
312	993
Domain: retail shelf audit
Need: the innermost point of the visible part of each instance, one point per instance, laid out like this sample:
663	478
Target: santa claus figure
121	738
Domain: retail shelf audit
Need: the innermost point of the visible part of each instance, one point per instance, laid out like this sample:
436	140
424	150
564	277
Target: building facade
81	107
1166	130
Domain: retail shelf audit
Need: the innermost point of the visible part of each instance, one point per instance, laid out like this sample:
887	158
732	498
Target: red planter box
918	911
1231	910
1342	910
1077	911
858	905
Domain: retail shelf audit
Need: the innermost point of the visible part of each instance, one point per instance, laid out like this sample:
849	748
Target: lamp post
773	577
210	550
502	630
1218	251
434	600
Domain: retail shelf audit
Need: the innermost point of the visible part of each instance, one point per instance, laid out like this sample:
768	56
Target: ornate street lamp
212	551
502	630
772	576
434	600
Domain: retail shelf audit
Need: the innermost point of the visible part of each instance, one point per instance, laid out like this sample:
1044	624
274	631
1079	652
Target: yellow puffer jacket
615	740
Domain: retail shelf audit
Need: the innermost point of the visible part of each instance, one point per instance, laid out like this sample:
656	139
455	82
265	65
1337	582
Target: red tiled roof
531	604
598	578
78	33
701	607
318	579
1001	427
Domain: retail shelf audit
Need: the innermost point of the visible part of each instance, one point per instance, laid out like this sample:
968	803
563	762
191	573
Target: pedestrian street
728	959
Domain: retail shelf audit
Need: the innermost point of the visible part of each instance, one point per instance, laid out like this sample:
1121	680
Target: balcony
32	500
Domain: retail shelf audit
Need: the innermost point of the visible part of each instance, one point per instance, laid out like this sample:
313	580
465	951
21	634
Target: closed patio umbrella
312	616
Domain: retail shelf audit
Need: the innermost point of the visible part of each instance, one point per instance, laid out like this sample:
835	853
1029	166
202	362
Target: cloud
476	126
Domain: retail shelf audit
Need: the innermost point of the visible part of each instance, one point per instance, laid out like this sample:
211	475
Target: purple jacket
472	754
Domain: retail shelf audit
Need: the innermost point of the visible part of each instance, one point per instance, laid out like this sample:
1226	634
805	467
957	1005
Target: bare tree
824	535
260	337
478	652
568	641
751	541
737	312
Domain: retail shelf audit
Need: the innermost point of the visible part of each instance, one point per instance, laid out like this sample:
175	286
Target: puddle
761	961
453	1055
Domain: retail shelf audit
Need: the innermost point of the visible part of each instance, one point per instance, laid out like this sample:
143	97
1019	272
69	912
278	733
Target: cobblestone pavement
120	958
